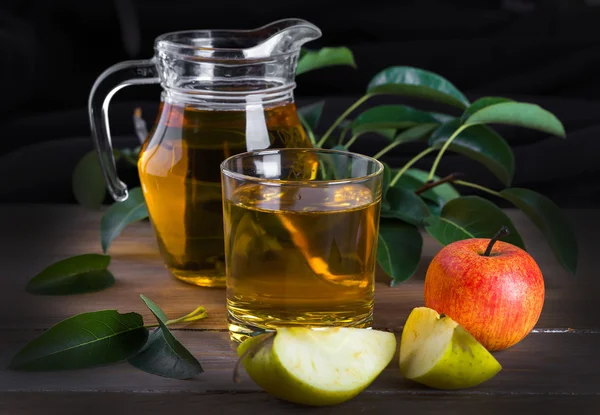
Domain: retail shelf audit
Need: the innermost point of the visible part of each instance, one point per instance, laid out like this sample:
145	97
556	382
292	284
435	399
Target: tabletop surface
555	367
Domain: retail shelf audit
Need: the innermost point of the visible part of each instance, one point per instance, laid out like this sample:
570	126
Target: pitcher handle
120	75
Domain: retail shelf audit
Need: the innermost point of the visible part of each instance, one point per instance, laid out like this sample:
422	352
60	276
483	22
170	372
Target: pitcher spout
213	62
284	36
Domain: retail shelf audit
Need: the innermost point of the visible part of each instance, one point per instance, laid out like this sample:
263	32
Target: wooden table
556	367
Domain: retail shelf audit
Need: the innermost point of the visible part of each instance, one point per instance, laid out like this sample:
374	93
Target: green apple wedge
438	352
317	367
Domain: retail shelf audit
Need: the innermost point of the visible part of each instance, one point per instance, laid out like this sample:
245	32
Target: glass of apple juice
301	230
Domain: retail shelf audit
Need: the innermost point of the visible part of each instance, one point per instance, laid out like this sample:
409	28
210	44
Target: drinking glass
300	230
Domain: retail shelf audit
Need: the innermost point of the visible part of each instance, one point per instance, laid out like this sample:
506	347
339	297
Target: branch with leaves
415	200
107	337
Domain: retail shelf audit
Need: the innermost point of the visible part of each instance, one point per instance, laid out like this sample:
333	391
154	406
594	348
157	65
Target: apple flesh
317	367
437	352
497	298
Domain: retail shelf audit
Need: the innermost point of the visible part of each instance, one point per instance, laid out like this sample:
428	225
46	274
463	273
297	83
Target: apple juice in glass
301	230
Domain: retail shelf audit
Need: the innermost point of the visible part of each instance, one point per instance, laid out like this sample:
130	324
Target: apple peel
439	353
317	367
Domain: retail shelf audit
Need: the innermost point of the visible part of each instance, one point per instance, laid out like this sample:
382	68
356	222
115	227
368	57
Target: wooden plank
542	364
63	403
34	236
391	309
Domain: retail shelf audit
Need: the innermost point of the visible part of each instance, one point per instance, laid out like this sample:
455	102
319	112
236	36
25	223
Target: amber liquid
180	176
300	256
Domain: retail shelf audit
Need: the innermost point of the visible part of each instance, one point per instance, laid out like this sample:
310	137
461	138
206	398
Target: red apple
498	297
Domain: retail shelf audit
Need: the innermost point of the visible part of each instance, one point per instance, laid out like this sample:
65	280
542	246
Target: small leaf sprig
106	337
75	275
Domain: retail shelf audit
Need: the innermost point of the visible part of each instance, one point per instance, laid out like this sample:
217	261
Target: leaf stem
187	319
311	137
389	147
342	117
179	320
199	310
444	148
430	185
343	134
198	314
409	164
309	131
352	140
477	186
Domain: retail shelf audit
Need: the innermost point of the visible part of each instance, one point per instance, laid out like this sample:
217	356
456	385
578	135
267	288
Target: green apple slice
438	352
317	367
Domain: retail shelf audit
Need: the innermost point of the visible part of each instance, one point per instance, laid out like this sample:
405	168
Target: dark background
547	52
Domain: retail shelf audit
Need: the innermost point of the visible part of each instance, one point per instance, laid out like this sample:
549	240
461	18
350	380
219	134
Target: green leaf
121	214
415	133
471	217
393	117
324	57
388	133
414	82
482	103
414	179
87	181
311	114
434	209
84	340
155	309
78	274
520	114
481	144
445	231
553	223
404	204
164	355
399	249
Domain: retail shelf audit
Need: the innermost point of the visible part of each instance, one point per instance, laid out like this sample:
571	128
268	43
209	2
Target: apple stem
250	350
501	233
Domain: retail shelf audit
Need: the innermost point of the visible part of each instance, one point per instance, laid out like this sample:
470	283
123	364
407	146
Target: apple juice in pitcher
180	163
224	92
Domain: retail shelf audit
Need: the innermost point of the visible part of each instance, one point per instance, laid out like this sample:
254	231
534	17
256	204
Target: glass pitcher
224	92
